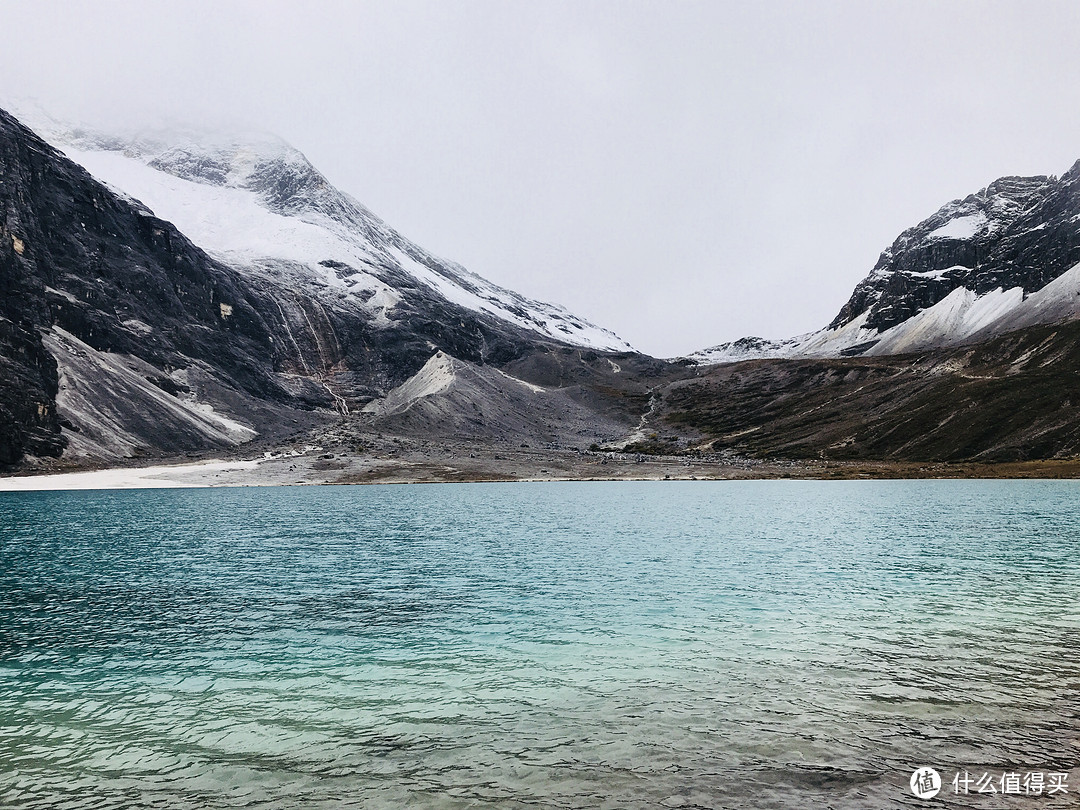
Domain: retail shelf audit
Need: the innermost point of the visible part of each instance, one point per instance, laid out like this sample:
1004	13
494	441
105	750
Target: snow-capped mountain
257	203
998	260
159	296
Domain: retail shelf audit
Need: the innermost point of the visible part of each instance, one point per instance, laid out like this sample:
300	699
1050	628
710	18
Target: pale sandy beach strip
161	477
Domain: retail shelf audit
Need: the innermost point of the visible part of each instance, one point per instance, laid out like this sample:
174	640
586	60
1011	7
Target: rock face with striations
80	265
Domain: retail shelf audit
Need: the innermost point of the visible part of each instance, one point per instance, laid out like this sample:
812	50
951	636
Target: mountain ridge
959	276
296	315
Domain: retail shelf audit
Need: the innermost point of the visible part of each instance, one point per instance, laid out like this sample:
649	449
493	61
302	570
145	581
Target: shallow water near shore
642	644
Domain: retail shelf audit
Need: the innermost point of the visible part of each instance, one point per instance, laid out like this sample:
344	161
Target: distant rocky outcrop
1015	397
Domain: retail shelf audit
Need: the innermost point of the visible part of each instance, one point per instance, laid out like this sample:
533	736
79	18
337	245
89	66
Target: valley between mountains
175	297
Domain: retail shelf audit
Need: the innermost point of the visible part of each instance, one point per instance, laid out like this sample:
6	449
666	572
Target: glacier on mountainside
257	204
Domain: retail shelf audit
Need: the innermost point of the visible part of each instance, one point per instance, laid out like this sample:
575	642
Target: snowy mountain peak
999	259
747	348
257	204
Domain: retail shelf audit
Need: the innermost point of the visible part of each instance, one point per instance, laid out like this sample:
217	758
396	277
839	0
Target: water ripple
630	645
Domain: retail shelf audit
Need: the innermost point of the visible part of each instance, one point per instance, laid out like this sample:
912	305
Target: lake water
613	645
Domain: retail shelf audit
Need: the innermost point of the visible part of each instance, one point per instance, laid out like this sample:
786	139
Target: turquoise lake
745	644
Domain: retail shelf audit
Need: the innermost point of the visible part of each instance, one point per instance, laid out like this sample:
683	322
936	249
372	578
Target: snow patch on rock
964	227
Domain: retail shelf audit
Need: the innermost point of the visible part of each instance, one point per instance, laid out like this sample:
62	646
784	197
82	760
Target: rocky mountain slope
120	336
1011	398
455	399
1001	259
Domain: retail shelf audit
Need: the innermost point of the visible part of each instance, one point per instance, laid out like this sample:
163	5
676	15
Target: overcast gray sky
681	173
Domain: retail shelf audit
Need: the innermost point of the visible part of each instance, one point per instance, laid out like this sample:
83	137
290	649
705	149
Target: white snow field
257	204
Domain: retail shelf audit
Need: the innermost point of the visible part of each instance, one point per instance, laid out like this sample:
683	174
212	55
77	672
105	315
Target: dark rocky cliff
75	257
1017	232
